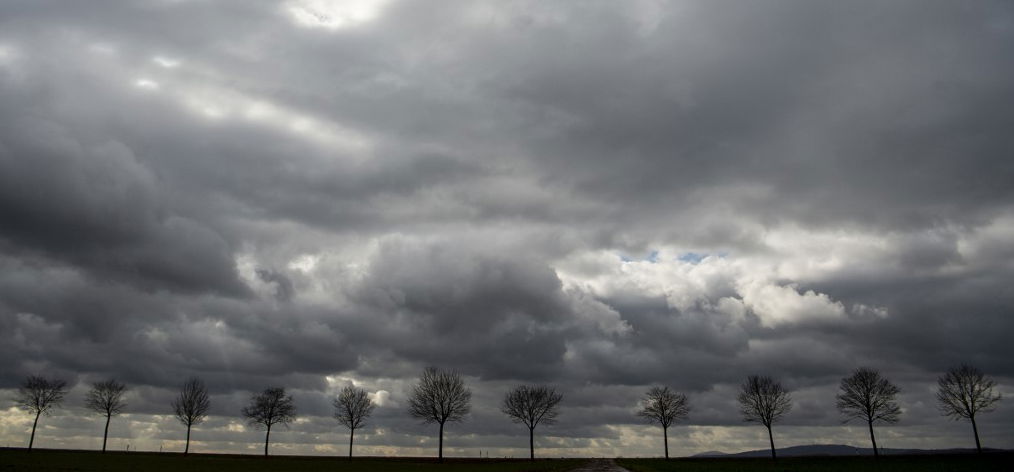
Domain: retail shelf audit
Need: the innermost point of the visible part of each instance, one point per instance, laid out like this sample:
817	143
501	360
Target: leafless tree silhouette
351	409
106	398
39	395
965	391
439	397
192	405
664	406
268	408
532	405
868	396
765	401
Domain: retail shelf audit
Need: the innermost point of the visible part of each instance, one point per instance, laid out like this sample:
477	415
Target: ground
66	461
920	463
12	460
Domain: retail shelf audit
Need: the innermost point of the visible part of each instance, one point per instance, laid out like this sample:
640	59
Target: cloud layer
601	196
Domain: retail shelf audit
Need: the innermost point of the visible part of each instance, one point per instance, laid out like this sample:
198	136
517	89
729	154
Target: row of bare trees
439	397
39	396
963	392
442	397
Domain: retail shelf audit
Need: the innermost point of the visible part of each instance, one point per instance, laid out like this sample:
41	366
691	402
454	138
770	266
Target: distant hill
833	450
710	454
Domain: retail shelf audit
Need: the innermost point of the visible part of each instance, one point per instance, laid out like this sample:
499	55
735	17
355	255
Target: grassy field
920	463
70	461
67	461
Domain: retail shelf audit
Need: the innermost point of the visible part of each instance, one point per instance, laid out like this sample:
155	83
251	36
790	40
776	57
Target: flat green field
70	461
914	463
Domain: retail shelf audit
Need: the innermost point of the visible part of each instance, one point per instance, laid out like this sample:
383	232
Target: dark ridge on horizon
843	450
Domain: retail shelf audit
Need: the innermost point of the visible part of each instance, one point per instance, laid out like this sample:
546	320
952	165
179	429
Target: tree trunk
440	447
531	444
266	438
771	439
352	434
876	452
978	447
186	449
31	440
105	434
665	441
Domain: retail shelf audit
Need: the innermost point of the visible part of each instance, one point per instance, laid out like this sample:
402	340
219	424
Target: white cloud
776	305
8	54
729	284
147	84
166	62
333	15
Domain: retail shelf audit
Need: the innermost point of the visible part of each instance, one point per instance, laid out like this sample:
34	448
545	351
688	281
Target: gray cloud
600	196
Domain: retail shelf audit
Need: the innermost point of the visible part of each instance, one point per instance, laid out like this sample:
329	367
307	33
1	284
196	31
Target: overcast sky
600	196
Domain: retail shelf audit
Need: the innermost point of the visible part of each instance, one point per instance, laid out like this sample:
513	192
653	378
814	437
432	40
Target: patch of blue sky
690	256
651	257
697	257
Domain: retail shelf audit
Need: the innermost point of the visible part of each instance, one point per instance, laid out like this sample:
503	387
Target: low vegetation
913	463
64	460
86	461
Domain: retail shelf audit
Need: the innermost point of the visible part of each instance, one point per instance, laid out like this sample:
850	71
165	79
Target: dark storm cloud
94	203
600	196
790	98
283	286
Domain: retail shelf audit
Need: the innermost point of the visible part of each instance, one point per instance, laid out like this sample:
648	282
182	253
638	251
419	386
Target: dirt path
600	465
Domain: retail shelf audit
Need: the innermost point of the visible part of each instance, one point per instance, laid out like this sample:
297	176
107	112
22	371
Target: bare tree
439	397
868	396
665	407
191	406
351	409
39	395
532	405
106	398
765	401
964	392
268	408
